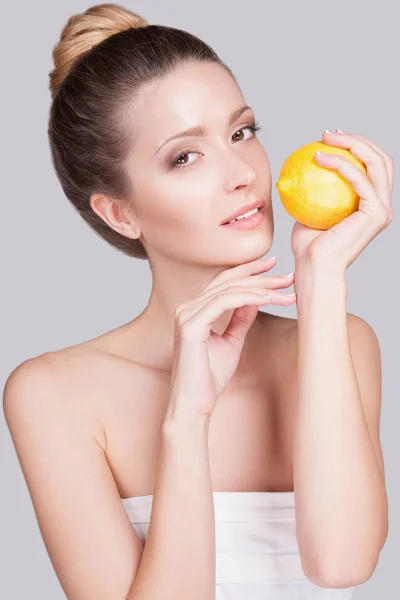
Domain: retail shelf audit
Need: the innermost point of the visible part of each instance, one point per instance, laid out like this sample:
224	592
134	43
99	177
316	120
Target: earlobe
131	230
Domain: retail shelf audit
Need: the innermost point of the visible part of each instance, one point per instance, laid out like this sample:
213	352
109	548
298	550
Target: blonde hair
85	30
103	60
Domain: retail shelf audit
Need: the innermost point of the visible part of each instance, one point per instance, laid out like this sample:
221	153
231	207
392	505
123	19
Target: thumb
240	323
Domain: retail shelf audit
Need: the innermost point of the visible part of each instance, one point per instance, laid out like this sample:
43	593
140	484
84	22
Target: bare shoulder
33	373
84	382
73	491
48	371
53	384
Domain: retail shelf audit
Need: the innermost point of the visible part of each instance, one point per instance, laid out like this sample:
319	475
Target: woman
251	440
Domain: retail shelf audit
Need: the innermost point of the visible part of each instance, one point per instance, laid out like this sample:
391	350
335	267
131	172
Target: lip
248	223
243	209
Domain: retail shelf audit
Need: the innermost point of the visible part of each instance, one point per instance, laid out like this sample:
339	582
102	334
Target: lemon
315	195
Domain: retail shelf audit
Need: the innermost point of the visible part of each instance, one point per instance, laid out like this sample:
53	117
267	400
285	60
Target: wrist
180	423
313	277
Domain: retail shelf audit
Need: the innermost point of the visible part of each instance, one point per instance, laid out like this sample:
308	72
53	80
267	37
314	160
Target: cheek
263	166
173	211
184	201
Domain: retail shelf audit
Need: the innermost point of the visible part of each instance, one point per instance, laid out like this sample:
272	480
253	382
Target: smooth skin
87	421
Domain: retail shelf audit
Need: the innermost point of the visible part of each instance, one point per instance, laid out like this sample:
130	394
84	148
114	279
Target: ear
116	215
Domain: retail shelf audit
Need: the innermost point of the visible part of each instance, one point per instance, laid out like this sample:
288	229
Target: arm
92	545
179	556
341	501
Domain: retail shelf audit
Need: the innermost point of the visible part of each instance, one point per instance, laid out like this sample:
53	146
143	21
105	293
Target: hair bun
85	30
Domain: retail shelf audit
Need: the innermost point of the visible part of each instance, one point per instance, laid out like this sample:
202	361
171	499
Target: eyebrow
199	130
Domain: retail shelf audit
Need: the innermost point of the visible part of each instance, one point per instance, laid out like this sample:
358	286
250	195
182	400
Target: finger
353	234
200	302
374	161
237	293
267	281
370	201
251	268
197	327
388	159
261	283
239	325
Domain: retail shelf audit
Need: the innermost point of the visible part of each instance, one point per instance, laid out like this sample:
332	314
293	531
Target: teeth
245	215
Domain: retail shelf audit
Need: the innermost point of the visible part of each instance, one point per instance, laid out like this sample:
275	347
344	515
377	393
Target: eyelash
254	126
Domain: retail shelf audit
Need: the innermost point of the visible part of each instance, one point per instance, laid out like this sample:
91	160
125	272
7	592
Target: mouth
256	217
244	212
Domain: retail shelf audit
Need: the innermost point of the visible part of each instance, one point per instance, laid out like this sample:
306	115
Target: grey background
303	66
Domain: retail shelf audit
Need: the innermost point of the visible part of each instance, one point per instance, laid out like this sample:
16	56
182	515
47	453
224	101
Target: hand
340	245
205	361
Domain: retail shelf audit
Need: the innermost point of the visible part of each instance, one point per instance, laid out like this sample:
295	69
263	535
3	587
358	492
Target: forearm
178	559
339	486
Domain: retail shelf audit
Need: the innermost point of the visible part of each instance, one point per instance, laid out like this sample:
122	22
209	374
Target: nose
240	173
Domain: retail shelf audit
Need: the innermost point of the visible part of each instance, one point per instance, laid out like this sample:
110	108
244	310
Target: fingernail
327	131
339	130
291	295
271	257
289	275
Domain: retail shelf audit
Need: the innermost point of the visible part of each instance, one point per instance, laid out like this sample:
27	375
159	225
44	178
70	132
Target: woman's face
185	187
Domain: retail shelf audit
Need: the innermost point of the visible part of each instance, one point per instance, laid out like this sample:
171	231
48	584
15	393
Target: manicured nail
327	131
271	257
339	130
289	275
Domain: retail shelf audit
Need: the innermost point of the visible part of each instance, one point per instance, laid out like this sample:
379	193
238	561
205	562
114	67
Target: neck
174	284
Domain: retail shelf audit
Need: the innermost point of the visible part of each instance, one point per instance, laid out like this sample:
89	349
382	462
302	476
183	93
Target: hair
102	61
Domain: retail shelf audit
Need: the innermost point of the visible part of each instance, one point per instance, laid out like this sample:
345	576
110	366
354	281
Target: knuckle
177	311
228	290
381	159
383	215
371	160
179	317
179	323
390	160
216	281
185	330
389	217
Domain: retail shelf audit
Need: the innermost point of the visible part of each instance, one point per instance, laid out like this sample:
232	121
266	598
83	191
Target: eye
174	163
253	128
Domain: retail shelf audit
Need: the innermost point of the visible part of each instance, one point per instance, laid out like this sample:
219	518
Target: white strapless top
257	556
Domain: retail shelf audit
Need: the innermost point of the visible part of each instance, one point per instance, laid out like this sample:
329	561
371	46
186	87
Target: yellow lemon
315	195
